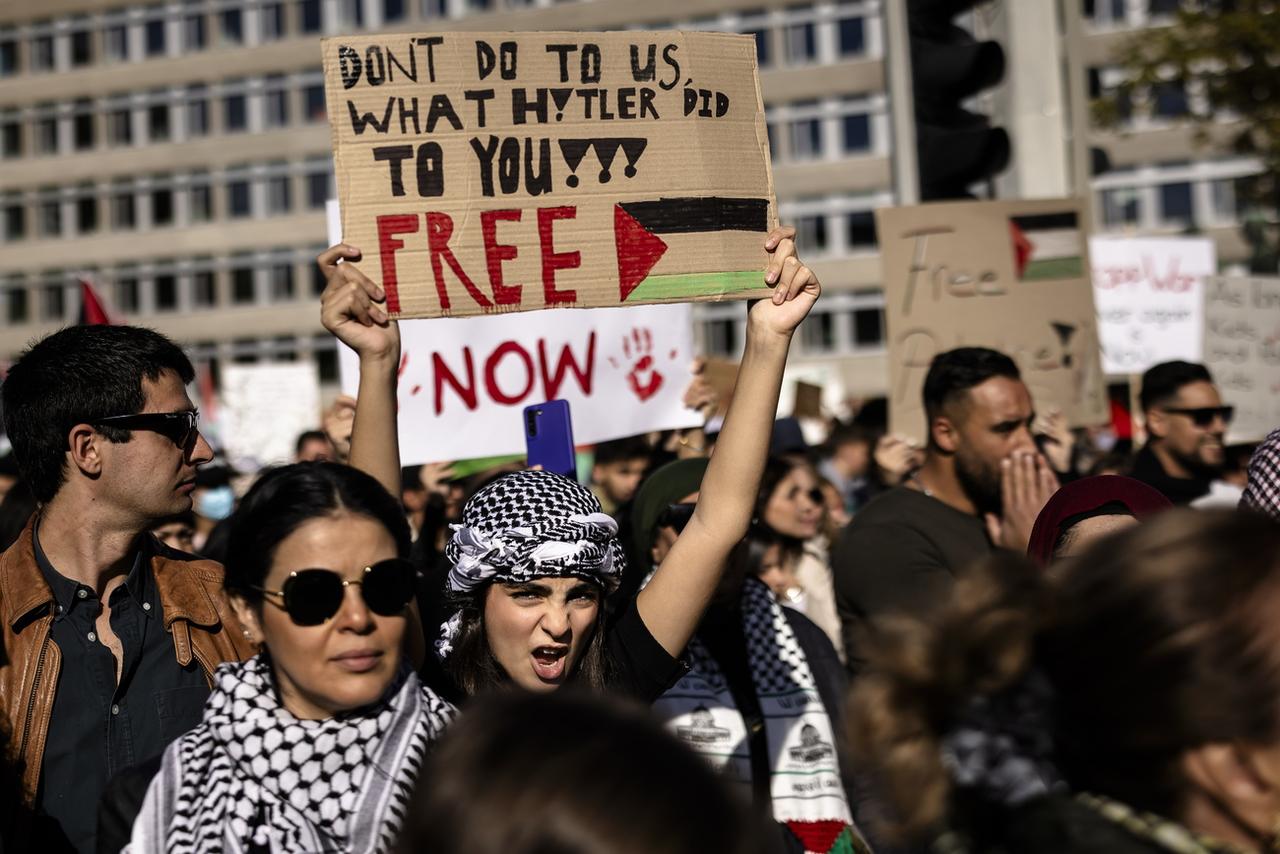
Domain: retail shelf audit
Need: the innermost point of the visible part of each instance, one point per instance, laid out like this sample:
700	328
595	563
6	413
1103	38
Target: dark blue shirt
100	727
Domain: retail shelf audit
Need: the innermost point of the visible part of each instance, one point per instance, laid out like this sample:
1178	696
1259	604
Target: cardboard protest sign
497	172
1149	293
1007	275
262	410
1242	350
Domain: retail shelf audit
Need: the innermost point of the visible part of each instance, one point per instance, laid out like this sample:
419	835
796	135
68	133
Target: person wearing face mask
213	501
1127	704
315	743
1186	425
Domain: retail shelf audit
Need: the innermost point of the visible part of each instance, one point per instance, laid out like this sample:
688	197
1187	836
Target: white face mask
216	504
1104	440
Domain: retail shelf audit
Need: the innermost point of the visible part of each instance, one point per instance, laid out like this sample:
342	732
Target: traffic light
955	148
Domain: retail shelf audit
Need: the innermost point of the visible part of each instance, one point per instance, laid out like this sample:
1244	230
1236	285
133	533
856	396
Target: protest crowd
1016	637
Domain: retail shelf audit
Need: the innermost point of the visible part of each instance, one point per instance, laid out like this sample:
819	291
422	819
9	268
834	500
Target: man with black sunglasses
1186	425
110	638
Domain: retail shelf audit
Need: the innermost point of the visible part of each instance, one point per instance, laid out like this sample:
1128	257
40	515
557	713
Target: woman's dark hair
474	670
776	470
287	497
1154	642
747	559
567	773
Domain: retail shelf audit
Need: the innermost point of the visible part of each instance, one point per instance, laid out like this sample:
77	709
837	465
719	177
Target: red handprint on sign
643	379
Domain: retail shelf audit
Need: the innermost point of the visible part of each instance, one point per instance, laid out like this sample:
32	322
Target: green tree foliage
1229	50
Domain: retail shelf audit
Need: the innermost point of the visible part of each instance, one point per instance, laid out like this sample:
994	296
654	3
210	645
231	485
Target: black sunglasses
312	596
1203	416
676	516
180	427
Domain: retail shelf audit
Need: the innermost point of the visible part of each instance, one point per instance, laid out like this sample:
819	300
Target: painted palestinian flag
1047	246
637	226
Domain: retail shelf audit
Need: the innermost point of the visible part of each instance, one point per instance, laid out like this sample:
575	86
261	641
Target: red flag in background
91	311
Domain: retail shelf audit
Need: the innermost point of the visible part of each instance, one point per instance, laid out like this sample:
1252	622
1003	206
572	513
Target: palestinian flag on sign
1047	246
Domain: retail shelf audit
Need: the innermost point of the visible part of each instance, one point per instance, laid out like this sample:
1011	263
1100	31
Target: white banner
1242	350
1149	292
464	381
262	410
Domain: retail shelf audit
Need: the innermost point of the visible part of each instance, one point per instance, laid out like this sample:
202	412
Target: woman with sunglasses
534	555
315	743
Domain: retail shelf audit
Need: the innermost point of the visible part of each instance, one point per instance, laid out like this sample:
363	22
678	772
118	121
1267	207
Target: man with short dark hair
110	638
618	469
314	446
1186	424
981	485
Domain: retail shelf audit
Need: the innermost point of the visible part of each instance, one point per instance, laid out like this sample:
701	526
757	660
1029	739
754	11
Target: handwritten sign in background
1150	297
1007	275
499	172
1242	350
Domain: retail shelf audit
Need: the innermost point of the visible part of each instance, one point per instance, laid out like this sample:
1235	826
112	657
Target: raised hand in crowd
1026	485
1057	442
337	422
353	308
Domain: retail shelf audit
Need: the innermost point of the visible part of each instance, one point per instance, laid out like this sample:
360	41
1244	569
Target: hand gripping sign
500	172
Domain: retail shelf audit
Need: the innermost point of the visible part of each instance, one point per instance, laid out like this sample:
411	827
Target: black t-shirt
900	554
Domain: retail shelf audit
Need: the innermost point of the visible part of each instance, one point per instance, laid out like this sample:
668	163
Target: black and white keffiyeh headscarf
528	525
253	778
1262	493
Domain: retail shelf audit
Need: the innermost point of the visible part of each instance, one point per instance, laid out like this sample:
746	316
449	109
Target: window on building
761	36
204	287
271	20
127	292
124	214
860	230
82	124
275	97
166	292
281	282
309	20
853	36
54	300
195	31
313	102
46	128
721	337
239	197
50	211
811	234
440	9
801	43
120	127
242	288
162	201
806	139
197	110
41	47
154	32
17	310
818	332
855	136
86	209
1120	206
352	12
868	328
81	43
231	25
319	186
15	217
158	117
10	134
200	198
1163	8
115	42
393	10
318	282
279	195
1175	203
326	356
235	112
1169	100
8	51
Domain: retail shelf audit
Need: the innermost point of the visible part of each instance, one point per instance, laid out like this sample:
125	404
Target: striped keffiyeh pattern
1262	493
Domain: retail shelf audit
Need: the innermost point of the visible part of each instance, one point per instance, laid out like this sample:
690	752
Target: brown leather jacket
196	613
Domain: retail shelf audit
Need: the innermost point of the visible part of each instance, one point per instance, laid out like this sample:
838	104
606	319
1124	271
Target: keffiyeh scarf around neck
807	792
253	778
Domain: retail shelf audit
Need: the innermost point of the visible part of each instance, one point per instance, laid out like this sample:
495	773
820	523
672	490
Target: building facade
177	155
